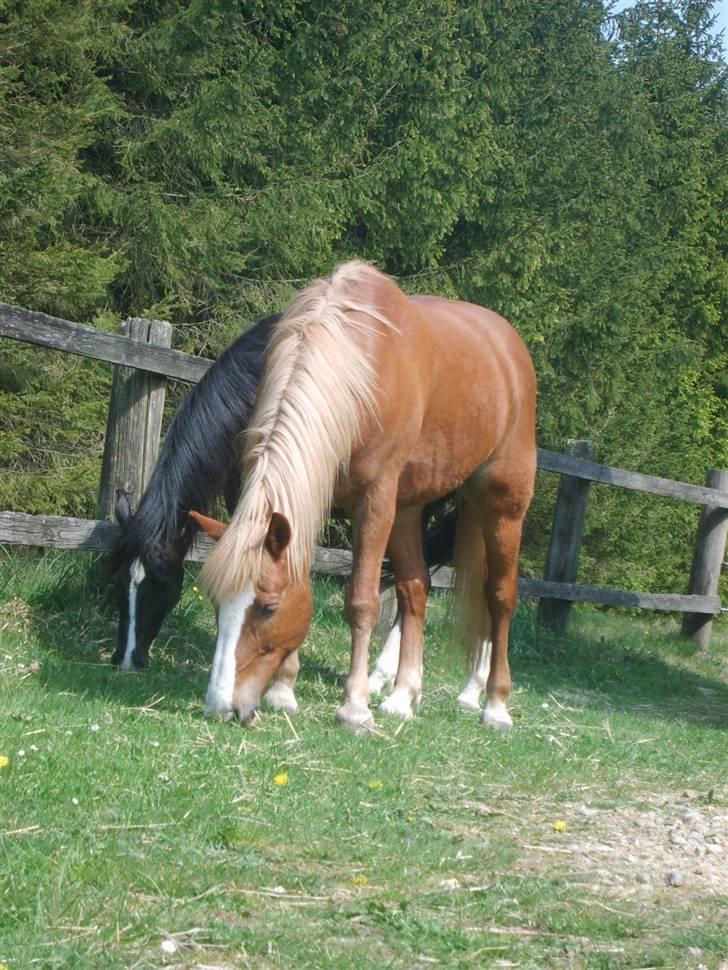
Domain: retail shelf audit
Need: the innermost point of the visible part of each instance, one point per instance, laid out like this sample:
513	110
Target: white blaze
230	619
136	576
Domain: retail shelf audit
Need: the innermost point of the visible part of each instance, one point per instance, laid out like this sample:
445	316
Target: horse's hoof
496	716
469	700
280	697
398	704
355	719
379	682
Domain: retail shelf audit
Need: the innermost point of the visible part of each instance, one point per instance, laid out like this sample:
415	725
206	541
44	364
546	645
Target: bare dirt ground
670	846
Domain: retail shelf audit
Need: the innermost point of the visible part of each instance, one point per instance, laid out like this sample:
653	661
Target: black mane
198	458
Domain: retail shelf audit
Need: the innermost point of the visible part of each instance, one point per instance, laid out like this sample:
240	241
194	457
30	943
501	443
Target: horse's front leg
413	583
280	695
373	519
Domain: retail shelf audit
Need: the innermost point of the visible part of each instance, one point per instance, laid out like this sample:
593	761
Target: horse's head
256	628
146	589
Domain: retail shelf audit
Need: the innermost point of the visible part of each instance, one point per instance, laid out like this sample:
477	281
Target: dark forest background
200	161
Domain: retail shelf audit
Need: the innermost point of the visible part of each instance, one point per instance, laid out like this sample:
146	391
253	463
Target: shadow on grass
73	616
312	671
65	671
629	668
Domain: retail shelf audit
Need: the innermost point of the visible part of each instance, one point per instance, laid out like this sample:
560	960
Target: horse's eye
267	610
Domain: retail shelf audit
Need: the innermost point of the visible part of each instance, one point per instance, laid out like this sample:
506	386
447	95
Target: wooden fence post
135	421
707	560
566	535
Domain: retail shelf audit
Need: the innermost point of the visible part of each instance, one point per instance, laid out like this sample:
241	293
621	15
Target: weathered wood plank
134	424
707	560
73	338
576	593
552	461
567	532
58	532
442	578
32	327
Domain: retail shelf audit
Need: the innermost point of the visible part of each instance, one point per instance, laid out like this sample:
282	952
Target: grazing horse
199	460
381	403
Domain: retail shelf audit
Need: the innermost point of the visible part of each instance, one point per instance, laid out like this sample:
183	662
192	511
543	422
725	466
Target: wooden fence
144	360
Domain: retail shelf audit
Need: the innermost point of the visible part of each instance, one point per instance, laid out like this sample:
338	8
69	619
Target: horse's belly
442	471
417	485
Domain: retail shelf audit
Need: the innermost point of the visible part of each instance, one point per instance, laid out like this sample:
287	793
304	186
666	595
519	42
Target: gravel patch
670	847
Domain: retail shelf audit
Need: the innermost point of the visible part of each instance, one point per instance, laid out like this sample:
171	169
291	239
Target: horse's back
474	339
456	387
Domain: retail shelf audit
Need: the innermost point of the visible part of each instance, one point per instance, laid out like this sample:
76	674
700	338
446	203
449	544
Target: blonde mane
315	388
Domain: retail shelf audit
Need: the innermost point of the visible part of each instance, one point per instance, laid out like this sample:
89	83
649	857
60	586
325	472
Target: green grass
131	822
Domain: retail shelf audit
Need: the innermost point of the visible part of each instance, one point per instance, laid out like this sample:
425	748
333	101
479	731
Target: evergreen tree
199	161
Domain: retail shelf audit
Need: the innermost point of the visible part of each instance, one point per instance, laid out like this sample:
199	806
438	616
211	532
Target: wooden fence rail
56	334
133	433
59	532
553	461
73	338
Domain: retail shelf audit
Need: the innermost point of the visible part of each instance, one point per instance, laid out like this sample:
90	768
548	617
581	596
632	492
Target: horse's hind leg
412	583
469	696
502	510
385	668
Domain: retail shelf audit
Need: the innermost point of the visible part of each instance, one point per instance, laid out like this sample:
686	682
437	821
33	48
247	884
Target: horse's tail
469	603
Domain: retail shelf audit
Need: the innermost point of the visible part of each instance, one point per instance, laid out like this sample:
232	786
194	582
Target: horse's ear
278	536
122	508
211	526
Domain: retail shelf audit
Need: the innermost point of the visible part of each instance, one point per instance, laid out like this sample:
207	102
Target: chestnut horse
380	403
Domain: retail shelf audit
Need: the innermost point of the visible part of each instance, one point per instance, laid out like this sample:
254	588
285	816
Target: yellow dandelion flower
4	762
559	826
410	818
195	589
281	779
359	881
375	784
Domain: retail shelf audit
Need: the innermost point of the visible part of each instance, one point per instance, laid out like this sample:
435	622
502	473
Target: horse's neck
150	536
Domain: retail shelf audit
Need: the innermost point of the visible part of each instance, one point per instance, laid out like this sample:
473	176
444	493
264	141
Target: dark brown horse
381	403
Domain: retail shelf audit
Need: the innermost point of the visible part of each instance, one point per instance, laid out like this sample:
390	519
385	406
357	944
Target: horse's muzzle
246	714
139	660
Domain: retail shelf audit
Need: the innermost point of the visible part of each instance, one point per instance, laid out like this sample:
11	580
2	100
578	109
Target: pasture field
134	833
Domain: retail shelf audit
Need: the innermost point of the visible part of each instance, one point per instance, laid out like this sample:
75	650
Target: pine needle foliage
200	161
